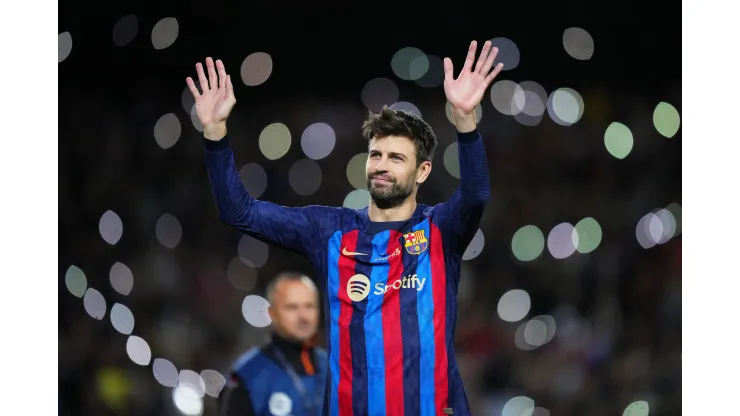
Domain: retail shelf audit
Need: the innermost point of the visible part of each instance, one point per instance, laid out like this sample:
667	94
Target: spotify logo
358	287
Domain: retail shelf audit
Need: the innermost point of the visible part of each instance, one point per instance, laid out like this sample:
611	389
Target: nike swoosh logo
352	253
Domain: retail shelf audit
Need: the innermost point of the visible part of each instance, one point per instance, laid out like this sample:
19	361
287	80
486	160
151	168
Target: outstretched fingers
470	58
230	89
212	78
494	73
201	77
486	67
483	58
221	78
191	86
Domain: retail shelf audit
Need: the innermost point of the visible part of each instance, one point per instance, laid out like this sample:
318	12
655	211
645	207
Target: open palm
216	99
467	91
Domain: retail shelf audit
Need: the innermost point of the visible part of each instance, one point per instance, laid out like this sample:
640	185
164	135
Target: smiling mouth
382	180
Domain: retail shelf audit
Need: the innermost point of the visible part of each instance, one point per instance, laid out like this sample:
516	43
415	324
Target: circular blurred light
379	92
167	130
125	30
507	96
527	243
356	171
618	140
187	100
168	230
550	327
94	304
138	350
357	199
675	211
110	227
410	63
253	251
435	76
75	281
475	247
508	53
514	305
214	382
121	278
407	107
655	229
254	309
587	235
535	332
65	45
518	406
305	177
187	400
318	140
274	141
256	69
578	43
666	119
643	233
478	113
122	319
668	225
451	160
565	106
194	380
533	106
241	275
194	118
165	372
519	340
254	179
165	32
639	408
562	241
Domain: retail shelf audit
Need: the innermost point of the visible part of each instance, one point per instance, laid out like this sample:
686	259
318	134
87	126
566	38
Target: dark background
627	300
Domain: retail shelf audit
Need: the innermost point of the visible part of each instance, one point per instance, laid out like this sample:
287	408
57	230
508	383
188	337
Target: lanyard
300	386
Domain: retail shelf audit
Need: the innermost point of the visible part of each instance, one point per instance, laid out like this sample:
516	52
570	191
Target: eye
399	158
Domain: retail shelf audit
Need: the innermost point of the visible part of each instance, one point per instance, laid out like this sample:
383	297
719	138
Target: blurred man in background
286	376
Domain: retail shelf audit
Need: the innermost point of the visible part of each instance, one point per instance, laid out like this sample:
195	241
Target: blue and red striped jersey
389	288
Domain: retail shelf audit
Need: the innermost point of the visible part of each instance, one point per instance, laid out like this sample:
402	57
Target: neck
398	213
287	343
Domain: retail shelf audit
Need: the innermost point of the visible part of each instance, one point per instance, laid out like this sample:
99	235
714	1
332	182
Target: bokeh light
535	332
254	309
167	130
165	32
187	401
638	408
356	171
518	406
168	230
165	372
122	319
274	141
550	328
407	107
65	45
379	92
451	118
110	227
254	179
528	243
305	177
410	63
531	109
659	226
508	53
253	251
435	76
194	380
507	97
214	382
562	241
666	119
618	140
187	100
125	30
138	350
475	247
318	140
241	275
675	210
121	278
578	43
194	118
256	69
75	281
94	304
565	106
357	199
587	235
514	305
451	160
667	225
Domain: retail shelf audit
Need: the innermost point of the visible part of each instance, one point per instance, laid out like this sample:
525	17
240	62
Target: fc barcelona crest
416	242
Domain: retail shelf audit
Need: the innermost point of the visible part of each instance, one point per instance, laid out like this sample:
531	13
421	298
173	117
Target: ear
270	312
423	171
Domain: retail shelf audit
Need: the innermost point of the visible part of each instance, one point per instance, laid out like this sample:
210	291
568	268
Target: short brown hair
390	122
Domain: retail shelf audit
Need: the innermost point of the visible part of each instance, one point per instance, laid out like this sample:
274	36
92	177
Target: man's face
391	170
295	310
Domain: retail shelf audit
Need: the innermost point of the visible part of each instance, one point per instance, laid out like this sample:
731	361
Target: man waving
389	272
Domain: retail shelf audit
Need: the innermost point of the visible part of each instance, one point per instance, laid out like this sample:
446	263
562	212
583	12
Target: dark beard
386	199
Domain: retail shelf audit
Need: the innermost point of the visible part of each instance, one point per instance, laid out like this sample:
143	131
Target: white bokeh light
514	305
138	350
94	304
475	247
254	309
110	227
121	278
318	141
165	32
122	319
165	372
